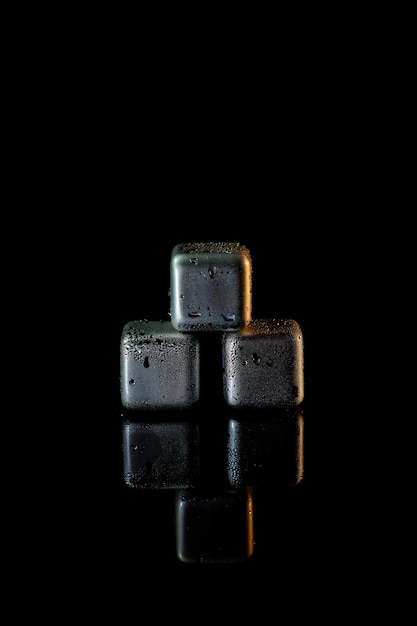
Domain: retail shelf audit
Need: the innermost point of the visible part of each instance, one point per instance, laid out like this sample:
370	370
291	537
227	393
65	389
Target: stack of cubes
212	455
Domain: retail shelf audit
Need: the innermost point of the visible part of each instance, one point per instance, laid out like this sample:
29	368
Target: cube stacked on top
211	287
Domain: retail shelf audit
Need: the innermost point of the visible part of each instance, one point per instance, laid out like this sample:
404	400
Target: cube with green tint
159	366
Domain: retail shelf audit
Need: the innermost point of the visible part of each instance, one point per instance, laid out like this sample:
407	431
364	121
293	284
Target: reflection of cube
160	455
263	365
210	286
266	453
159	366
214	528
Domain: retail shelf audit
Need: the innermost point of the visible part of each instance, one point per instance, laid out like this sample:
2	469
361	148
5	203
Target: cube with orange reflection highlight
263	365
210	286
214	527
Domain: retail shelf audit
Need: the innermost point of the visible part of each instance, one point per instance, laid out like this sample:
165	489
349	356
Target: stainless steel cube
159	366
210	286
263	365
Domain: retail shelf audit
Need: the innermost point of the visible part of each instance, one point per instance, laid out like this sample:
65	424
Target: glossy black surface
214	527
160	454
265	449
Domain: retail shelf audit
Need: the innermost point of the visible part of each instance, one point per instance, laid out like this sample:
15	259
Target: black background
287	195
271	155
299	220
130	134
